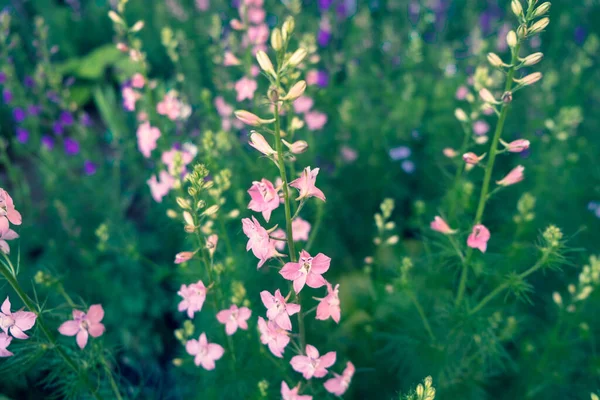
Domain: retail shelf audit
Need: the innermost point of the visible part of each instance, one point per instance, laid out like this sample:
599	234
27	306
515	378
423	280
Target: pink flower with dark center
264	198
147	136
312	365
302	104
84	325
340	383
514	176
329	306
16	323
315	120
478	238
262	246
8	213
306	185
278	310
439	225
205	354
4	343
308	270
193	298
273	336
9	234
292	394
245	88
233	318
160	188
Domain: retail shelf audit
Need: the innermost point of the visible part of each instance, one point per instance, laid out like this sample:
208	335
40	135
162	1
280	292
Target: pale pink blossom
292	394
472	158
279	234
236	24
211	244
160	187
273	336
450	152
312	365
205	354
516	146
259	142
224	109
8	234
300	229
175	159
278	310
184	256
462	92
138	81
171	107
194	296
147	136
16	323
340	383
234	318
82	325
254	3
348	154
262	246
245	88
478	238
306	185
302	104
255	70
298	147
439	225
256	15
315	120
514	176
481	127
329	306
202	5
130	97
312	77
4	343
229	59
264	198
258	34
8	212
308	270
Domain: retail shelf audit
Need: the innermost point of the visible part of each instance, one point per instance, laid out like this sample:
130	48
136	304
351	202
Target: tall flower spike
306	185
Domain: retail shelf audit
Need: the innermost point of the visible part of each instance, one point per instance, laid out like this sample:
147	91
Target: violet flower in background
89	167
47	142
7	96
33	110
57	128
22	135
19	115
71	146
66	118
2	78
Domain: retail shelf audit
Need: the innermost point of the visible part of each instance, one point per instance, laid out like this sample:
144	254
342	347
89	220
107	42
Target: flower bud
287	28
449	152
251	119
259	142
298	147
172	214
295	91
516	146
507	97
187	217
516	7
487	96
420	390
529	79
183	257
183	203
276	40
557	298
522	31
439	225
211	210
138	26
265	63
472	158
541	10
514	176
115	18
461	115
511	39
533	59
495	60
297	57
539	25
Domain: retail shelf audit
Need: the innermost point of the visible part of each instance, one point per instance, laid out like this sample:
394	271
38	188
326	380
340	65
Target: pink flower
193	298
478	238
514	176
300	229
245	88
329	306
211	244
171	107
202	5
462	92
308	270
348	154
184	256
273	336
8	213
205	354
16	323
292	394
176	158
306	185
449	152
130	97
264	198
516	146
481	127
147	136
233	318
315	120
302	104
160	188
439	225
258	34
278	310
256	15
340	383
472	158
230	59
259	142
138	81
262	246
312	77
84	324
298	147
4	343
224	109
9	234
311	364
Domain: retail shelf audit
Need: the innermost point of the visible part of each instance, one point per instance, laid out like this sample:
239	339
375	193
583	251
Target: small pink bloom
264	198
439	225
308	270
262	246
259	142
312	77
449	152
205	354
193	298
202	5
315	120
138	81
236	24
16	323
292	394
4	236
478	238
481	127
306	185
256	15
514	176
462	92
147	136
298	147
348	154
211	243
273	336
4	343
160	188
245	88
130	97
340	383
230	59
184	256
300	229
224	109
170	106
176	158
472	158
84	324
311	364
302	104
516	146
233	318
329	306
278	310
8	213
258	34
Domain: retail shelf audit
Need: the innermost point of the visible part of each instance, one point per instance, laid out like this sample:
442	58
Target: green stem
421	312
111	379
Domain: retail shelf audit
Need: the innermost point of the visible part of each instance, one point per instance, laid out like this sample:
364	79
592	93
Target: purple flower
408	166
19	114
325	4
57	128
89	167
580	35
2	78
53	97
34	110
322	79
29	82
71	146
66	118
323	37
22	135
47	142
399	153
7	96
85	119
